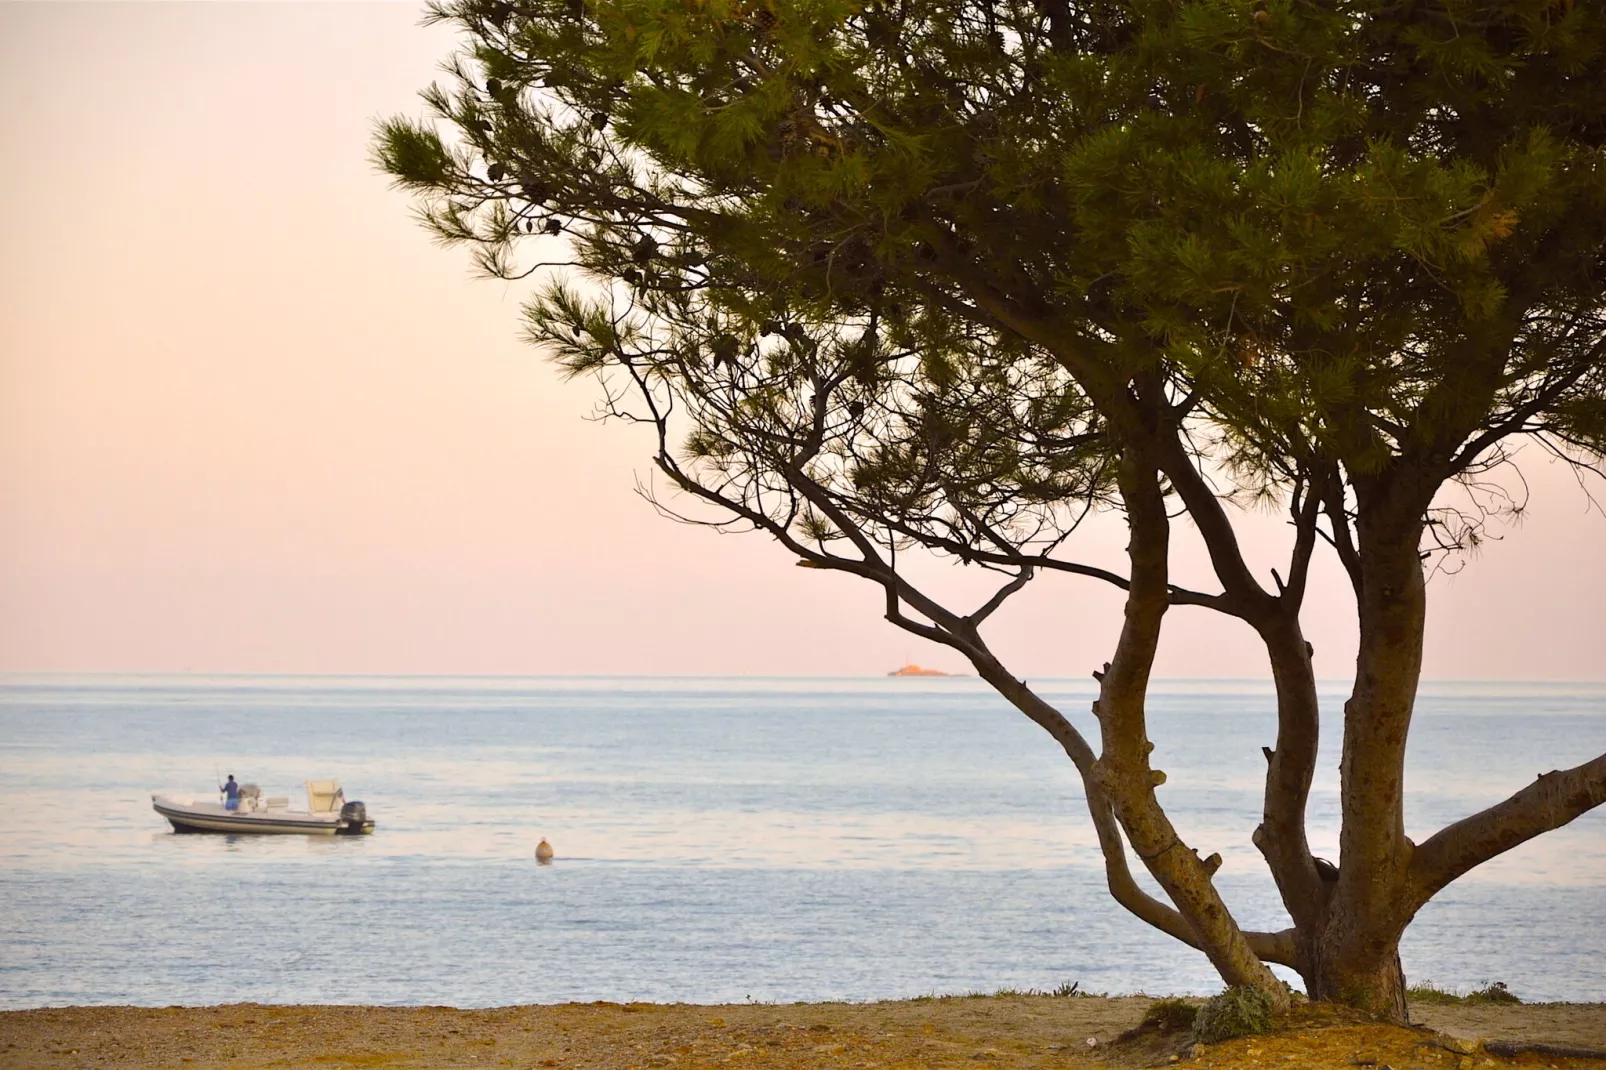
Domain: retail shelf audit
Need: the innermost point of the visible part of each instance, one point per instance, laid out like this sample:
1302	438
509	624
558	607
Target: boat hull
204	817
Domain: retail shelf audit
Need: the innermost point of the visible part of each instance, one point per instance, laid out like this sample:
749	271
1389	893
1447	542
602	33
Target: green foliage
1427	992
413	154
1170	1015
1237	1012
1492	992
1344	232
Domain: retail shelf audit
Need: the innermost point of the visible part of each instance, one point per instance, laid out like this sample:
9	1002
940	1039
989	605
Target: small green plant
1428	992
1237	1012
1170	1015
1069	988
1492	992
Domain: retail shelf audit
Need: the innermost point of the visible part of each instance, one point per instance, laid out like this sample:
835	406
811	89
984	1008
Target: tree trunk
1354	956
1356	971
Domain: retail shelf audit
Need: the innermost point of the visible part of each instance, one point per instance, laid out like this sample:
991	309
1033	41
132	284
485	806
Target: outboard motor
354	819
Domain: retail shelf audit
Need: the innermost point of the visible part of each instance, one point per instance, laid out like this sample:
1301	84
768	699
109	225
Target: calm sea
717	840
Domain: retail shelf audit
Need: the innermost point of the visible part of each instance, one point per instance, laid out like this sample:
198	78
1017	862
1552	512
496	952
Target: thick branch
1550	802
1281	837
1060	23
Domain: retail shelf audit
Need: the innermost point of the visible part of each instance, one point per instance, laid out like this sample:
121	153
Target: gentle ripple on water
718	839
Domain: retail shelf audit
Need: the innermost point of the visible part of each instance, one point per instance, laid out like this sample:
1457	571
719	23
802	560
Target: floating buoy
543	852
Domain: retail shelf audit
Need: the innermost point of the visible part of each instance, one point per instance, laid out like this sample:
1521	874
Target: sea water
717	840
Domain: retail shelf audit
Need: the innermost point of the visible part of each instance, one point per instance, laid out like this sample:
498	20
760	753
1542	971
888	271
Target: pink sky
251	419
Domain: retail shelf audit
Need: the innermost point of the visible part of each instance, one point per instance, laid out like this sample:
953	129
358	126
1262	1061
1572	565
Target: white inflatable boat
327	813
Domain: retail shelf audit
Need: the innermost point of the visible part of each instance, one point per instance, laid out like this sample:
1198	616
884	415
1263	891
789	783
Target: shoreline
1006	1030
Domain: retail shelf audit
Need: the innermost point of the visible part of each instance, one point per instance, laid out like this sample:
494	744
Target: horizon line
350	675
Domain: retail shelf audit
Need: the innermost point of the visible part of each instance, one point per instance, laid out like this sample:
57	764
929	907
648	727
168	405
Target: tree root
1510	1049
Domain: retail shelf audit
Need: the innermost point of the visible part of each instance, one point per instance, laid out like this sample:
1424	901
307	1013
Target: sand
1001	1031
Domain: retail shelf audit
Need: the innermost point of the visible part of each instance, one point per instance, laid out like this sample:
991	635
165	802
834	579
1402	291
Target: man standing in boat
231	791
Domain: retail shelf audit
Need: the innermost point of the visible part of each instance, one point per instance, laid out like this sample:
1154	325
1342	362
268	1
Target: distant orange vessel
912	669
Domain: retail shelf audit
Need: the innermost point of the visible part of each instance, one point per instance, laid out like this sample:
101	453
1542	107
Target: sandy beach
1006	1031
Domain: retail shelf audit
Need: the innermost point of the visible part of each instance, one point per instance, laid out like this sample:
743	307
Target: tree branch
1542	399
1281	837
976	618
1305	508
1550	802
1342	538
1205	509
1179	596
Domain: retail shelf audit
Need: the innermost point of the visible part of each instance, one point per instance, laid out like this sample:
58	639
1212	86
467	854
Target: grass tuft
1237	1012
1428	992
1170	1015
1067	988
1491	992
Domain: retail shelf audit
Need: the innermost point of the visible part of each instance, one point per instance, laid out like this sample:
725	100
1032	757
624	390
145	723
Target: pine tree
954	274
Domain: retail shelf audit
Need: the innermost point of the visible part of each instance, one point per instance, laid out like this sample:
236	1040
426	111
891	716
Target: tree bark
1358	970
